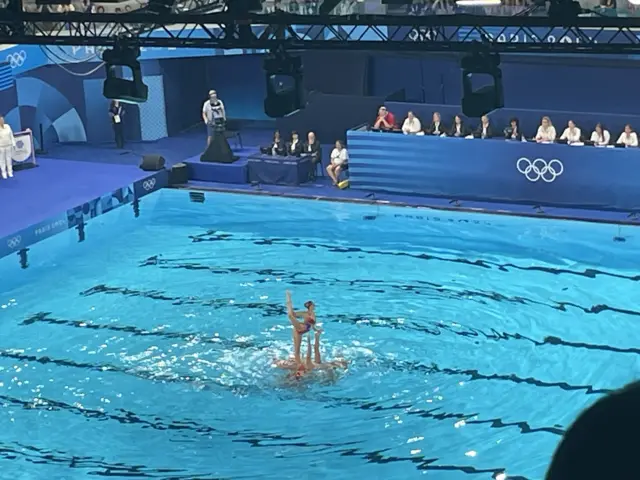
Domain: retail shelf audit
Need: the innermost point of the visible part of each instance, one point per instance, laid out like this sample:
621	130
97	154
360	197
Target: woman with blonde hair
546	131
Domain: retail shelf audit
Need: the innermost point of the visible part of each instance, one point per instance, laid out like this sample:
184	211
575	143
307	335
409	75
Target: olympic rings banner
23	152
496	170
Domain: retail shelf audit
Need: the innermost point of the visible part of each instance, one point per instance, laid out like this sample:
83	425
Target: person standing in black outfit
116	112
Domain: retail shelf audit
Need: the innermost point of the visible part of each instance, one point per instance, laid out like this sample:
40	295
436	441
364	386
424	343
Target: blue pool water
146	350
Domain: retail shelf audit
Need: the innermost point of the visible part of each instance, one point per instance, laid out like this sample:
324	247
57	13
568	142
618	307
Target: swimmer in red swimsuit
300	328
300	369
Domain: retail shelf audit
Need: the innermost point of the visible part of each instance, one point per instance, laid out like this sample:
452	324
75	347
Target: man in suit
116	112
294	147
277	147
484	129
312	147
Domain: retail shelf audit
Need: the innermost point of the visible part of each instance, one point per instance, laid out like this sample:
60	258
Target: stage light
115	86
284	85
243	6
481	84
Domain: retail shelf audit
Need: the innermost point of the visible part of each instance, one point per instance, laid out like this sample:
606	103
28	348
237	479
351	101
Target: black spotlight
243	6
117	61
481	84
284	85
160	6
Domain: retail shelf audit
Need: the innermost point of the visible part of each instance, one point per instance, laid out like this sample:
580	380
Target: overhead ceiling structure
222	30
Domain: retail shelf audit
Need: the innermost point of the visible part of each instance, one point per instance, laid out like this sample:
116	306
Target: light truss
454	33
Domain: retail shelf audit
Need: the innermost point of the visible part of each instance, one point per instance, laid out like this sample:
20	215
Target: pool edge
546	213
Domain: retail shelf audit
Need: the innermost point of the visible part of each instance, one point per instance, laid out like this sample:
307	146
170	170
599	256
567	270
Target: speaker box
152	163
218	151
179	174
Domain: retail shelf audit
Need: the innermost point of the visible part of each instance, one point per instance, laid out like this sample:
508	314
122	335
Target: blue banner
83	213
23	58
496	170
151	184
544	35
33	234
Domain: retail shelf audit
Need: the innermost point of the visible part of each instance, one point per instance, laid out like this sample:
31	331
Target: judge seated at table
484	130
295	147
571	134
600	136
513	132
385	120
277	146
628	138
411	125
339	161
436	127
546	131
312	147
458	129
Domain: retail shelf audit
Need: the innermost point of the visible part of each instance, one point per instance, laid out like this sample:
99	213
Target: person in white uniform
571	134
628	138
7	144
411	125
600	136
339	160
546	131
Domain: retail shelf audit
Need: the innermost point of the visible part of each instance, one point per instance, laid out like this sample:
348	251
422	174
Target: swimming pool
146	350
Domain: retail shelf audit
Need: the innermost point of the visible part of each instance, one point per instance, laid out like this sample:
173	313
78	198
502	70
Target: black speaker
218	150
179	174
152	163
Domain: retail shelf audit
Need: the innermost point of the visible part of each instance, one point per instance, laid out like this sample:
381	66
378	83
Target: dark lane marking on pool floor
401	366
214	236
126	417
41	456
450	293
279	310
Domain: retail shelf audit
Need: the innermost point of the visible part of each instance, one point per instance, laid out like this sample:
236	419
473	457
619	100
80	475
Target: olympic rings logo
149	185
14	242
540	169
17	59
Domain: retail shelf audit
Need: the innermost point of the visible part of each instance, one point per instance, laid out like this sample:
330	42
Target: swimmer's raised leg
297	328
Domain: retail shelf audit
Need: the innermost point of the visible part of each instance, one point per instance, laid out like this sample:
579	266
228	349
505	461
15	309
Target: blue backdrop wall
70	106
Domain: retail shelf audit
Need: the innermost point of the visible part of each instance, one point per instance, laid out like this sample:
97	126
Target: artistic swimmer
300	327
300	369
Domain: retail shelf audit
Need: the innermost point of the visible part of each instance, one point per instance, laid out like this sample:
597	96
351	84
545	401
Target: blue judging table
272	170
495	170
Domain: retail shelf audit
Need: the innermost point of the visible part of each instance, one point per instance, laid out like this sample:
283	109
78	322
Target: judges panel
495	170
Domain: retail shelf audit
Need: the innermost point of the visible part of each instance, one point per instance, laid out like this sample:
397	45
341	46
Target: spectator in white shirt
339	160
600	136
629	138
546	131
411	125
7	144
572	133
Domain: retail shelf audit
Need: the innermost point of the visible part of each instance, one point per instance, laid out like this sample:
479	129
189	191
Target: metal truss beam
455	33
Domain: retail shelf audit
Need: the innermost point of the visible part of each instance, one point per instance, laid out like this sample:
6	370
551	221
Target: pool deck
76	182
